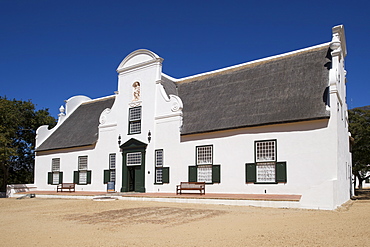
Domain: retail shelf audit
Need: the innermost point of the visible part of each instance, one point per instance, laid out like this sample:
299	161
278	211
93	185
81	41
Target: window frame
213	176
55	173
197	155
158	166
132	121
83	169
259	162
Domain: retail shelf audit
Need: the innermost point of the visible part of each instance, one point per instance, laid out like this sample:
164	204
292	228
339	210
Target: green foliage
18	124
359	126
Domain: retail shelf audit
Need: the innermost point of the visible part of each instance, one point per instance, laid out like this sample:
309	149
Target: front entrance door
133	166
131	178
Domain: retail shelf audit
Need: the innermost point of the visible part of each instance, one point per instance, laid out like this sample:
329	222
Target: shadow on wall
273	128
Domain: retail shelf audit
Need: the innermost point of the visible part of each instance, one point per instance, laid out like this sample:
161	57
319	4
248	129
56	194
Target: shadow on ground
363	194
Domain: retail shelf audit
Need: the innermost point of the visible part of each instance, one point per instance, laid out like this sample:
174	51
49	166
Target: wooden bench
201	186
66	186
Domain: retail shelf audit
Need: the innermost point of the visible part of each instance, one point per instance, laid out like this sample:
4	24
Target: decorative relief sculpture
136	91
103	116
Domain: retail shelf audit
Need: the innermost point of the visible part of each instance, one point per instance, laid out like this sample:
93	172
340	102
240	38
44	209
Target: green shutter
60	177
106	176
281	172
76	177
216	174
165	175
192	174
88	177
250	173
50	178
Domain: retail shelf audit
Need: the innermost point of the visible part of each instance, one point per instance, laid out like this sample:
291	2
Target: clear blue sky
52	50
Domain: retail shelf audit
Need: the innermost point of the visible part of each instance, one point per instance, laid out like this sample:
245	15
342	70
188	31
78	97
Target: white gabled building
276	125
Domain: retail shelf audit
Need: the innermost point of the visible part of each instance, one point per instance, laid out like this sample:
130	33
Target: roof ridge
246	64
99	99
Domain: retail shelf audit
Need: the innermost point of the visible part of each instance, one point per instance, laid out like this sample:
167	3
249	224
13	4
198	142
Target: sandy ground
67	222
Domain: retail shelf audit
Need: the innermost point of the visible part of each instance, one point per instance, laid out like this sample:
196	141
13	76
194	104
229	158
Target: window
55	168
266	169
204	155
135	120
112	167
159	166
82	176
110	174
162	174
82	168
205	170
134	159
205	173
55	176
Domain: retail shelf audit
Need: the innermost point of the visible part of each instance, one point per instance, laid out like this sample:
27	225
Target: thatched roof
282	89
79	129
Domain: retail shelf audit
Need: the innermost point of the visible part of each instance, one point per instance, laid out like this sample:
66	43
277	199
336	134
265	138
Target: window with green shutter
55	176
250	173
82	176
110	174
266	168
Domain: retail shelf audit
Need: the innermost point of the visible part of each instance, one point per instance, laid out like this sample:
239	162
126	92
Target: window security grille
205	174
134	159
265	151
204	155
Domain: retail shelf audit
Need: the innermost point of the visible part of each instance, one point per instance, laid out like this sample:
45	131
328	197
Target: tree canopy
359	126
19	121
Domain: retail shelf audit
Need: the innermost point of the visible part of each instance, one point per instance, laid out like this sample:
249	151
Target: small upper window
265	151
135	120
204	155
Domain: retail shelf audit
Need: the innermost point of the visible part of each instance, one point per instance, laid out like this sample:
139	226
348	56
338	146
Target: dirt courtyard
70	222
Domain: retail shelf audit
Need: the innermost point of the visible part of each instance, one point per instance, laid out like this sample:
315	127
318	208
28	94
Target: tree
18	124
359	126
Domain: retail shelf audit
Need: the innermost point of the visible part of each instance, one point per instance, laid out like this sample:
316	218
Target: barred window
204	155
134	159
265	151
135	120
